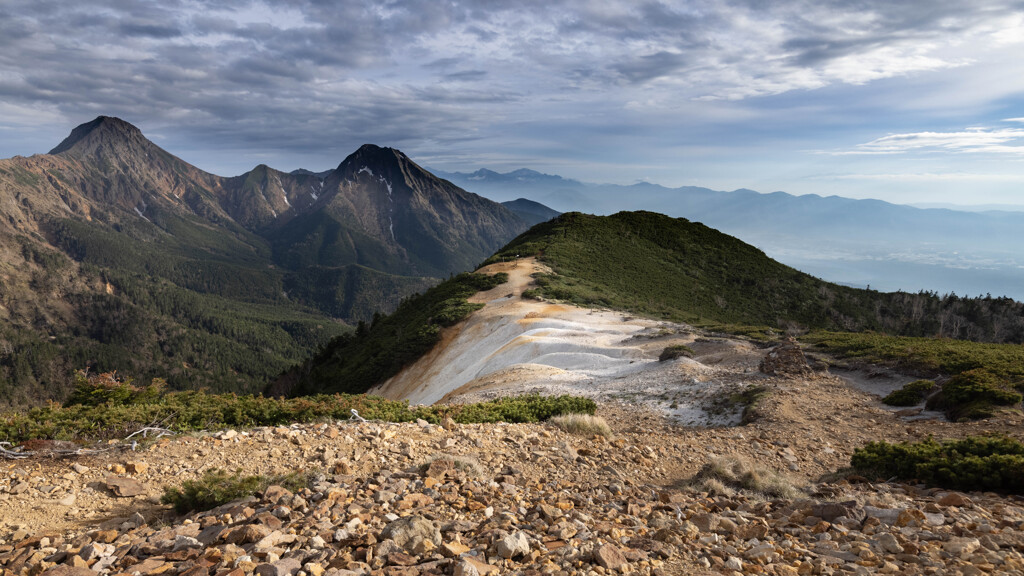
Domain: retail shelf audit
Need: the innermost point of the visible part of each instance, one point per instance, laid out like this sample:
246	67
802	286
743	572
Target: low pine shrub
973	463
110	389
673	352
128	409
217	487
911	394
973	394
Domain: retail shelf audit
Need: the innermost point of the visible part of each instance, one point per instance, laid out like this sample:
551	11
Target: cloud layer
560	84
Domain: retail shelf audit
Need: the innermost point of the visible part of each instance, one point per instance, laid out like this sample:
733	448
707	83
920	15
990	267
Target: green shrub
217	487
530	408
973	463
911	394
984	376
973	394
187	411
673	352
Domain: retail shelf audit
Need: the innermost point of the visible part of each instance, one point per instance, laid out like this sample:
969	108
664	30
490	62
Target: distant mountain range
118	255
856	242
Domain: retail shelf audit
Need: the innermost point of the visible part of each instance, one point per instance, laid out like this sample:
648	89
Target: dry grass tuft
468	466
725	475
583	424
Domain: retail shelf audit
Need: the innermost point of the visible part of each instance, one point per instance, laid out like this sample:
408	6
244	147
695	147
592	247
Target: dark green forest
202	307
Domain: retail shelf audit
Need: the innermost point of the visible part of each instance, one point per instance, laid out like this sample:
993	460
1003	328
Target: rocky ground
516	499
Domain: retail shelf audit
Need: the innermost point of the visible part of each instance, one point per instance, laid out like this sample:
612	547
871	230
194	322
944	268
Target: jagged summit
104	131
381	161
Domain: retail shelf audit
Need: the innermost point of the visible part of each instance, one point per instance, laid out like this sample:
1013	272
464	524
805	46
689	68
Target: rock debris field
419	499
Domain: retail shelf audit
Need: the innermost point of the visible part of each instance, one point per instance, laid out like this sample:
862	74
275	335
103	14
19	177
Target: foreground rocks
534	502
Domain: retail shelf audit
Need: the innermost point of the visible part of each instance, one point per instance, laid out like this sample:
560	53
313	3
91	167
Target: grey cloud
651	66
355	70
442	63
147	29
466	76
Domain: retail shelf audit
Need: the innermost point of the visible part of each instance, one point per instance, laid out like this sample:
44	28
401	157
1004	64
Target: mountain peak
378	160
104	129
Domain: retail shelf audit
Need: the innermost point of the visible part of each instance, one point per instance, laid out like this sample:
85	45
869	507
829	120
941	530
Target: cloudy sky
909	101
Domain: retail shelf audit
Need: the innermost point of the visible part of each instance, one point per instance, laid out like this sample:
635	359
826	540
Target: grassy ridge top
671	268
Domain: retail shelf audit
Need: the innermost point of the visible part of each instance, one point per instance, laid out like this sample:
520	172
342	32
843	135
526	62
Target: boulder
412	532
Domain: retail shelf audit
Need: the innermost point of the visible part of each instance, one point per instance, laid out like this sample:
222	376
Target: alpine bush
911	394
973	463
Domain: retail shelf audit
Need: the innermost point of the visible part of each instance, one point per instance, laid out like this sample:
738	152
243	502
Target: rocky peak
381	162
103	133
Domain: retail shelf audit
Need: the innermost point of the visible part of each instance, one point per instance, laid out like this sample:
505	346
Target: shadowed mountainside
120	256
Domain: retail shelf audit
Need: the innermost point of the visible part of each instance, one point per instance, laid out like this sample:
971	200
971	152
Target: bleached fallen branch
7	452
12	454
160	432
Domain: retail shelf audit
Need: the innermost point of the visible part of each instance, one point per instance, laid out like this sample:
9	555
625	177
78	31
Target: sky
911	101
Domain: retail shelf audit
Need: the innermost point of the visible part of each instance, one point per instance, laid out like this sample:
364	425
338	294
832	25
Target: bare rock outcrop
786	359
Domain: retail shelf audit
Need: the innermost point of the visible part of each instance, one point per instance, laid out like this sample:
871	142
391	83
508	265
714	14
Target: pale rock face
411	532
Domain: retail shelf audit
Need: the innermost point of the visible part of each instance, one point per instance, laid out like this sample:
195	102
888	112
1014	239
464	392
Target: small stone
79	468
515	544
454	549
185	542
465	568
961	546
889	543
481	568
282	567
734	564
65	570
954	499
136	467
124	487
609	557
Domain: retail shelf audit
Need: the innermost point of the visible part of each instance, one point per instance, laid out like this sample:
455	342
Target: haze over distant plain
909	102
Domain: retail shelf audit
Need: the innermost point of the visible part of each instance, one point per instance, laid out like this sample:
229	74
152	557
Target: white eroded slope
514	345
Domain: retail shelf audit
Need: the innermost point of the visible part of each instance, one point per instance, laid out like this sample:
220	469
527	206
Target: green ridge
671	268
